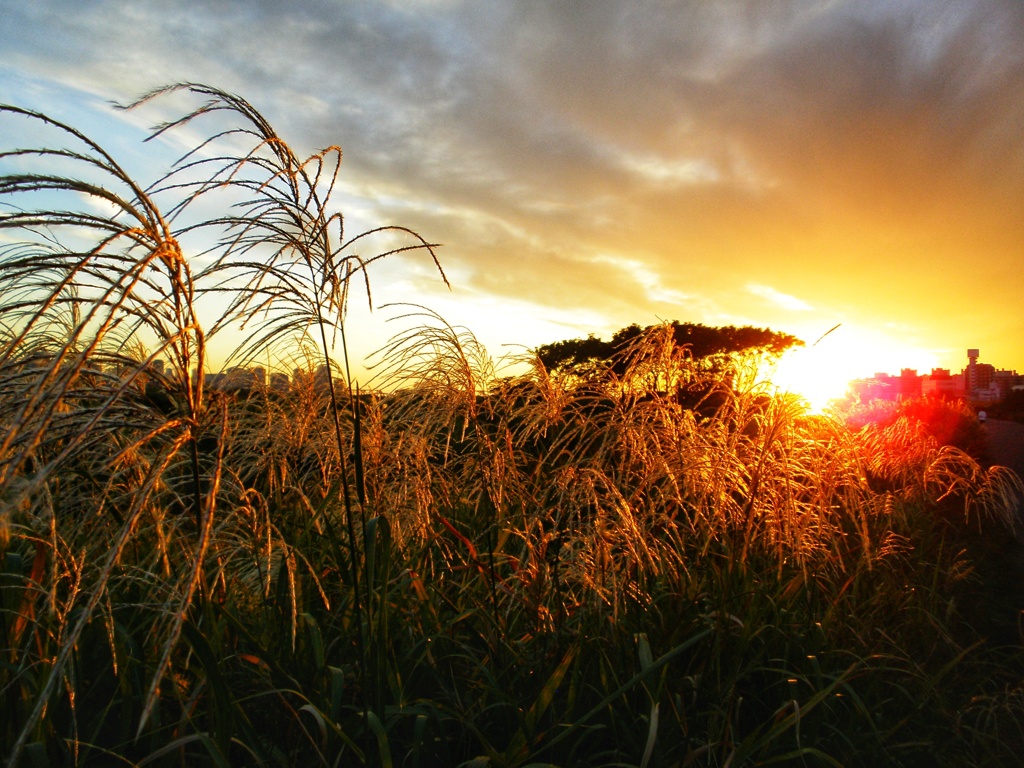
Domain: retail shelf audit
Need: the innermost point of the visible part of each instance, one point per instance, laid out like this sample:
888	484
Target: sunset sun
821	372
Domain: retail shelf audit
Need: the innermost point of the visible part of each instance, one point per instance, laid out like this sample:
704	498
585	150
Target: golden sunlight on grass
628	550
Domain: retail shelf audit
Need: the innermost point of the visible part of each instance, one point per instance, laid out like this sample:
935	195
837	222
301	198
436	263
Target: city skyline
977	382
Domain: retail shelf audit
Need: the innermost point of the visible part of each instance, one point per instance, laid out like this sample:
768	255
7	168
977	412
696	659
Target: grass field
655	563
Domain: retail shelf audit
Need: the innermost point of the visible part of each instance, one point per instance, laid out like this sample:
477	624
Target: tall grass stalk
79	285
649	561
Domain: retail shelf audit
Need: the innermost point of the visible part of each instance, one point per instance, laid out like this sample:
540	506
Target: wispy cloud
779	298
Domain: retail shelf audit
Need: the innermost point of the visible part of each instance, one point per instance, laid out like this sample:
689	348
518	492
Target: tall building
983	383
977	376
1005	381
942	384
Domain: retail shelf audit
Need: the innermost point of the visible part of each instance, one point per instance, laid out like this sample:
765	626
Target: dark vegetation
710	345
573	567
711	350
1010	407
946	421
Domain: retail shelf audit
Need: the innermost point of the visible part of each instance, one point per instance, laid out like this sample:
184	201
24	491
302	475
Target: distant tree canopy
703	342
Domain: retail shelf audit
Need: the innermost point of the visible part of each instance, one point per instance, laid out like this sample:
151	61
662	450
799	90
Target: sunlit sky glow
589	165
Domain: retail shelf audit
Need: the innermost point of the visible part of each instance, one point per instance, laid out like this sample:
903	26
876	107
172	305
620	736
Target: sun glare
811	376
821	373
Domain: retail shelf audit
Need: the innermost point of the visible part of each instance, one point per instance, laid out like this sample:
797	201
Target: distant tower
971	372
978	377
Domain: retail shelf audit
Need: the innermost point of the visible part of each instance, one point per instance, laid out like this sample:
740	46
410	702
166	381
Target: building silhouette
980	383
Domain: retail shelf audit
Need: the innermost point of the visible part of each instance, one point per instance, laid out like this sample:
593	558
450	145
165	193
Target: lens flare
821	373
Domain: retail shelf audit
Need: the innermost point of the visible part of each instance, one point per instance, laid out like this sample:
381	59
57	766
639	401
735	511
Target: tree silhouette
704	342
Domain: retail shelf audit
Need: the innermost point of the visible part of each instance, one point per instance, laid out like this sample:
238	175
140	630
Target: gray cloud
825	150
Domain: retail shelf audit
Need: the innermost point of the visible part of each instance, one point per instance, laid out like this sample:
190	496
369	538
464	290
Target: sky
588	165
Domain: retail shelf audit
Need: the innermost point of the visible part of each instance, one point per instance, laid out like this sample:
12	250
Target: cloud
859	153
778	298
